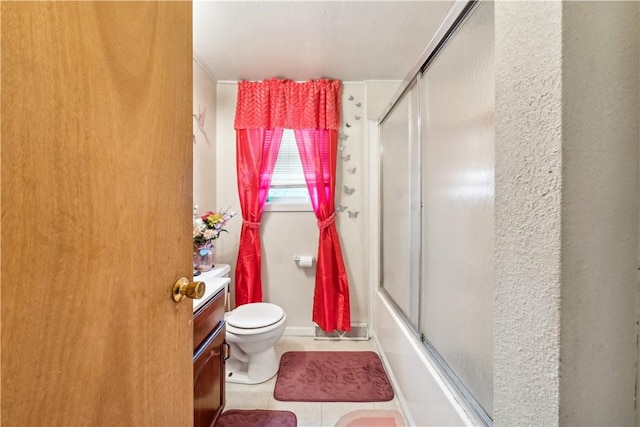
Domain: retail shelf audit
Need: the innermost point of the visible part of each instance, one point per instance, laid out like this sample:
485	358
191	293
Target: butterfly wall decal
348	190
340	208
346	158
351	98
351	170
353	215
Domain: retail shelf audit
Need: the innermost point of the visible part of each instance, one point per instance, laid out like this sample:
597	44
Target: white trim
299	331
288	207
395	81
206	69
373	197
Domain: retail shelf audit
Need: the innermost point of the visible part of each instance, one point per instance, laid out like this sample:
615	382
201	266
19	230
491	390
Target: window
288	190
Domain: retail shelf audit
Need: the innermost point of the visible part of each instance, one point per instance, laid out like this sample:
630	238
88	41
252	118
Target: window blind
288	170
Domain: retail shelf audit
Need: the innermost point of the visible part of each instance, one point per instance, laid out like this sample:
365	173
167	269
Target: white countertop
213	286
214	283
220	270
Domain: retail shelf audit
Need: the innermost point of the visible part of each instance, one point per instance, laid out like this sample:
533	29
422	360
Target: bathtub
421	392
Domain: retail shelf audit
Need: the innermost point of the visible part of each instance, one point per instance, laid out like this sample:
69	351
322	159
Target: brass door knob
184	288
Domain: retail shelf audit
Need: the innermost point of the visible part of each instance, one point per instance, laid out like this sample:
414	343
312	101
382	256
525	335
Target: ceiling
300	40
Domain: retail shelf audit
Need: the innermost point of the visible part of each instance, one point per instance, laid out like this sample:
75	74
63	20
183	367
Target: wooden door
96	207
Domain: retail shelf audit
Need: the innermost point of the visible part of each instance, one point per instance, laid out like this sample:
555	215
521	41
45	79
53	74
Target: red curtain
275	103
256	152
318	153
312	109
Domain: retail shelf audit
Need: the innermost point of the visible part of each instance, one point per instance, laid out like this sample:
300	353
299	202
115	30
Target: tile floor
309	414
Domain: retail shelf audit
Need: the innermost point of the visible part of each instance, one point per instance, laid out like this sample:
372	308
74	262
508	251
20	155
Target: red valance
276	103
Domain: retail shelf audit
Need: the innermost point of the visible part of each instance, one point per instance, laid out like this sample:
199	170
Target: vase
203	257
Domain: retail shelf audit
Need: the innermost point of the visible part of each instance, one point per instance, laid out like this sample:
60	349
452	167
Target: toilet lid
255	315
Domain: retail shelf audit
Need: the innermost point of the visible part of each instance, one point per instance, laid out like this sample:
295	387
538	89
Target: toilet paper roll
305	261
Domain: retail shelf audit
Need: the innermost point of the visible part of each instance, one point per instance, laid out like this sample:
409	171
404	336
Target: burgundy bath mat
256	418
332	376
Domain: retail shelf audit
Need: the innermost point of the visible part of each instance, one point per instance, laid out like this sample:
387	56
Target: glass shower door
400	165
457	103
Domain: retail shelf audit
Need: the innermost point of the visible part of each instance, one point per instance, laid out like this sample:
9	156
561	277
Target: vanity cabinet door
207	319
208	378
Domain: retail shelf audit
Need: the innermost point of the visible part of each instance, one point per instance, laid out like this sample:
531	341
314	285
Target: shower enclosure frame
457	17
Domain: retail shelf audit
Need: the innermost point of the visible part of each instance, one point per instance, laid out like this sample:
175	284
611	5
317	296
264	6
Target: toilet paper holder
298	258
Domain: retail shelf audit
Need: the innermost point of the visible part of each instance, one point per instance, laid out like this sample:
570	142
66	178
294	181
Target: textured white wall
285	234
204	153
566	212
528	185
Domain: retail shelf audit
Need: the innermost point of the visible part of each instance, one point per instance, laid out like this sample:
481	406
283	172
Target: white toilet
252	331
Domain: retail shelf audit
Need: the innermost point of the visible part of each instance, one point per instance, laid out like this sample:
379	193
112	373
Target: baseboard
299	331
358	332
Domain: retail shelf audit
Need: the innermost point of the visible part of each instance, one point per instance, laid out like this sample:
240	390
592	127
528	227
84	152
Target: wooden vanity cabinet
209	362
207	319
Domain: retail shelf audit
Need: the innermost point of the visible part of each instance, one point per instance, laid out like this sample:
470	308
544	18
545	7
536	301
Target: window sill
288	207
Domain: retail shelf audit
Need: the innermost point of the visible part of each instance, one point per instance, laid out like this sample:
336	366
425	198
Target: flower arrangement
208	227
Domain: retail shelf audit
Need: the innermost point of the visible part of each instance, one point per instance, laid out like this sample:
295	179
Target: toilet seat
255	316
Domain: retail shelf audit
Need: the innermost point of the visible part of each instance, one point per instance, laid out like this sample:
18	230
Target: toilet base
261	367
